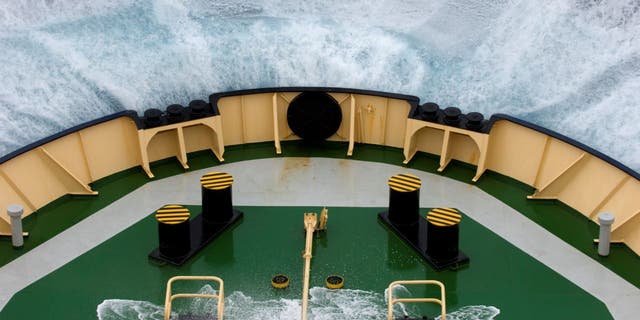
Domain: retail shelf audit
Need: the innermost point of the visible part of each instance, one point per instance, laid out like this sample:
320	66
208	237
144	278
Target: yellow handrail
440	301
169	297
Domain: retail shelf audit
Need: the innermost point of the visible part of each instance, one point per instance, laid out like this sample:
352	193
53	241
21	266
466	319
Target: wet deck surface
332	183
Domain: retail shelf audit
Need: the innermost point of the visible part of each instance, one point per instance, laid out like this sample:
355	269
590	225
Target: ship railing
220	296
393	300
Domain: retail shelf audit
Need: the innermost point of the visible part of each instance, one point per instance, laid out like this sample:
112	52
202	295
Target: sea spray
570	66
324	304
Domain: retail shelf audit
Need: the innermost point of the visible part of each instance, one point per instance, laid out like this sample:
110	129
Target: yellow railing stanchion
169	297
440	301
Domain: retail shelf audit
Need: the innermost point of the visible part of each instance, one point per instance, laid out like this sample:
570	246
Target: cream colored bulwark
624	204
429	140
9	195
515	151
178	139
67	165
257	120
68	151
463	148
110	147
396	116
232	123
557	156
283	99
38	177
380	120
629	233
589	184
555	168
200	137
162	145
345	101
247	118
448	142
263	117
559	170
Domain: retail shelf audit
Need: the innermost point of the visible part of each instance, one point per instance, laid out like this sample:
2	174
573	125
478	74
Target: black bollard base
415	235
201	234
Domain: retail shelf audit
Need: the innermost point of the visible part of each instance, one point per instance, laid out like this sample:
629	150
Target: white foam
18	14
129	309
324	304
65	62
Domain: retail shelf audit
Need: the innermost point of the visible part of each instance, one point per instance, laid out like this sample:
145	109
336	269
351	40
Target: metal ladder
169	297
440	301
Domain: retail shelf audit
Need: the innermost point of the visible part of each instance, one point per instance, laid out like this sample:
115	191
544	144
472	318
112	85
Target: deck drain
280	281
334	282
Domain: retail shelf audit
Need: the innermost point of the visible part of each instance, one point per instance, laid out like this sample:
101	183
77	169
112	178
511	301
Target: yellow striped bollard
217	206
404	199
174	232
443	233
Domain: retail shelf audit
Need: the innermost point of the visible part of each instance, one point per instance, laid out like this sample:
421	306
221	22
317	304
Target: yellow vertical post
310	221
276	128
352	125
143	141
182	156
444	153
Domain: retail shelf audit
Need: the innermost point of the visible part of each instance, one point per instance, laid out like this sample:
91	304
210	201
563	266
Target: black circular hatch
314	116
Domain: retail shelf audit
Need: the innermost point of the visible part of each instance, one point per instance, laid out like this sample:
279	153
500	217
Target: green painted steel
269	240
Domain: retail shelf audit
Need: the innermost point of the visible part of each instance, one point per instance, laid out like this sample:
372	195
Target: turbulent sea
570	66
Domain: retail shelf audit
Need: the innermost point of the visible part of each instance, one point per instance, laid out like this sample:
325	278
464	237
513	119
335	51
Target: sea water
571	66
324	304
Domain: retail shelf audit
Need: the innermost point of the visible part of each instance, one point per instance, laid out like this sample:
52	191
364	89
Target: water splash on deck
324	304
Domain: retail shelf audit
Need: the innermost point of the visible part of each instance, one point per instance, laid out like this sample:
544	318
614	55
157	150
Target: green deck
499	275
269	241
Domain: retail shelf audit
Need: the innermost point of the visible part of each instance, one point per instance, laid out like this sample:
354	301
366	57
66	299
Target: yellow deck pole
310	221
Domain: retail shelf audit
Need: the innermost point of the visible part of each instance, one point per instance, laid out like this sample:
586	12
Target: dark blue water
571	66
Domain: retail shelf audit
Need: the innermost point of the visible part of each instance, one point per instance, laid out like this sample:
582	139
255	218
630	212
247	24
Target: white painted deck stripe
295	182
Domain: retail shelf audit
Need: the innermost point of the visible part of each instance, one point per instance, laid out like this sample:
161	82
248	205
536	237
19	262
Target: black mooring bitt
435	238
181	238
415	235
201	234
